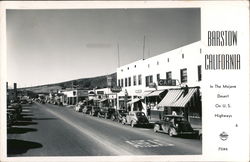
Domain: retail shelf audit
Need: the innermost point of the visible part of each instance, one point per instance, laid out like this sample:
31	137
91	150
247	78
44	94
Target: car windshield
140	114
179	119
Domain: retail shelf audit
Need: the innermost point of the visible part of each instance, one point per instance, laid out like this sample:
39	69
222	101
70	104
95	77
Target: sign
138	91
152	85
116	89
165	82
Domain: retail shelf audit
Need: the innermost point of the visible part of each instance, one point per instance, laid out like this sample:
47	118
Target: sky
51	46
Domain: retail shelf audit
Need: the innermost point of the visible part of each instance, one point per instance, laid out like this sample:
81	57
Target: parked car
86	109
94	110
23	101
135	118
79	107
174	125
120	114
106	112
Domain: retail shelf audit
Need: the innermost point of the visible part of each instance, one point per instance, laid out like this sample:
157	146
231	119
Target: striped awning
170	98
184	99
177	97
155	93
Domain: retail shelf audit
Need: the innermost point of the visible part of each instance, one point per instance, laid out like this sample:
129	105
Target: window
168	59
157	63
122	83
199	72
129	81
148	66
128	68
158	77
134	79
183	75
149	79
126	82
169	75
183	56
139	79
119	82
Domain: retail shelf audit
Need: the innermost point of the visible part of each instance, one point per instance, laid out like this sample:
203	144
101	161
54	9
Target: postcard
124	81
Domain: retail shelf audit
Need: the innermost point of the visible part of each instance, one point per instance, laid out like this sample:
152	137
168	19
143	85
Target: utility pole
143	53
118	54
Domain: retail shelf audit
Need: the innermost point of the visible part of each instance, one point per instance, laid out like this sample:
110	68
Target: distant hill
84	83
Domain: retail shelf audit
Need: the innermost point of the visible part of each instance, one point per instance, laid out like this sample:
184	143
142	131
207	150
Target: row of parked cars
174	125
14	110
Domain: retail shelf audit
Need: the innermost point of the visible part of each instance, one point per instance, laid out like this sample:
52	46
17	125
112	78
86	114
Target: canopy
154	93
133	101
145	93
177	97
184	99
102	100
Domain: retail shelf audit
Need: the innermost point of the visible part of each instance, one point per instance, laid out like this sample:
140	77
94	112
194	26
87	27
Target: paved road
50	130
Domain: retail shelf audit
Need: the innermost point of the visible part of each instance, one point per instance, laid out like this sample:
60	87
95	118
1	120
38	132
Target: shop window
199	72
148	80
134	80
139	79
158	77
183	75
126	82
169	75
121	82
129	81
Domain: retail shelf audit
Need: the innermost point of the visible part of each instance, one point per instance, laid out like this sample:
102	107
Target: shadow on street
18	130
20	146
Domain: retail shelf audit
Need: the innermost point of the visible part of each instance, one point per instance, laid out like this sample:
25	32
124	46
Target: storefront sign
138	91
116	89
165	82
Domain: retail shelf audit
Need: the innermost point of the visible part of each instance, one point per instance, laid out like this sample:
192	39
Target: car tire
123	121
156	128
132	123
170	132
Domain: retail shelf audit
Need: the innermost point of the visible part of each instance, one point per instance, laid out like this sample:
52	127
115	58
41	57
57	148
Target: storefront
184	101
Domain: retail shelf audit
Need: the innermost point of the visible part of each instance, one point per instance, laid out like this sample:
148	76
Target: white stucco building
182	64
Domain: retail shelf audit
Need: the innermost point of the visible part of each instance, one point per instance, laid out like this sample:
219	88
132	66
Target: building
178	69
72	97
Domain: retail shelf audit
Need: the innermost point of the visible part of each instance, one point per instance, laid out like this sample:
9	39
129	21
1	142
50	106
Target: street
51	130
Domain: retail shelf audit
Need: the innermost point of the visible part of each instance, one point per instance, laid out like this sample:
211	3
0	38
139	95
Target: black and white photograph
124	81
104	82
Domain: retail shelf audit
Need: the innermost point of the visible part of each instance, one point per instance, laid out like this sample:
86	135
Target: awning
154	93
145	93
171	97
102	100
177	98
184	99
133	101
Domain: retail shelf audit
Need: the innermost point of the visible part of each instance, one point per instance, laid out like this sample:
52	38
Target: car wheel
123	121
171	132
132	123
156	128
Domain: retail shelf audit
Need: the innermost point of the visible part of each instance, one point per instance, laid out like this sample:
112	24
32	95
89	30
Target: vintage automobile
94	110
174	125
135	118
86	109
106	112
119	115
79	107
